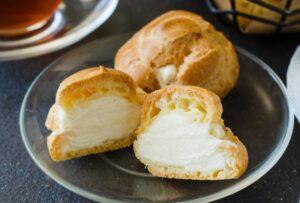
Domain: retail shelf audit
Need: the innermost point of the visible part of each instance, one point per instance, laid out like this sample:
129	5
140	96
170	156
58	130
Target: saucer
257	110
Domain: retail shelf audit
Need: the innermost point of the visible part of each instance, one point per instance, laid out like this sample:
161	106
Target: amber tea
22	16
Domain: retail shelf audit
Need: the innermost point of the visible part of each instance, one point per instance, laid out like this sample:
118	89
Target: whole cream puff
179	47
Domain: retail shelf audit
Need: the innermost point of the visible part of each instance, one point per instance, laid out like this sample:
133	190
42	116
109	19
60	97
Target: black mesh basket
232	15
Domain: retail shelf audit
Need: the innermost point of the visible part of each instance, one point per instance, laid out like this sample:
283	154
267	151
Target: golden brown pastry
179	47
182	135
96	110
252	26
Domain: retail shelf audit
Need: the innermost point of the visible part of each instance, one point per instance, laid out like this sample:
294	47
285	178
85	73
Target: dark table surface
22	181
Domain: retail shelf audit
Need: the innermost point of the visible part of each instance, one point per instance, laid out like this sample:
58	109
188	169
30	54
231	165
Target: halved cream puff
182	135
96	110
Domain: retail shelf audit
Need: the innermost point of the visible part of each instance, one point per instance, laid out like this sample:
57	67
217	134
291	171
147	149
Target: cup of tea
20	17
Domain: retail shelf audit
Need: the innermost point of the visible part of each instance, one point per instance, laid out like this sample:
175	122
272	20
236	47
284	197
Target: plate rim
265	166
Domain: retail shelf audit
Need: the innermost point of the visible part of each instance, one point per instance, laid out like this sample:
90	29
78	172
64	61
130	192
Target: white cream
94	122
174	139
166	74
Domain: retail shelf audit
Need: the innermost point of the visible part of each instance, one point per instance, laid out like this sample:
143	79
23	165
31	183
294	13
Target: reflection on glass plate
256	110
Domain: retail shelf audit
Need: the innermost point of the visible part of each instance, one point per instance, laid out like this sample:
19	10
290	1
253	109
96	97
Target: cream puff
182	136
96	110
179	47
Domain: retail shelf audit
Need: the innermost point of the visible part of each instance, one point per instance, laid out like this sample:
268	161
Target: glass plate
256	110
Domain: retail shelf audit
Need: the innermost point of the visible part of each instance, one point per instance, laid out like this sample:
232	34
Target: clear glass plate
256	110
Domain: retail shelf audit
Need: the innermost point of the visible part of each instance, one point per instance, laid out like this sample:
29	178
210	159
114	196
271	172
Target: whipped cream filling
166	74
99	120
174	139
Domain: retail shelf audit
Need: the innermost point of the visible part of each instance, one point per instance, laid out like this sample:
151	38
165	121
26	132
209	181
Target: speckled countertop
22	181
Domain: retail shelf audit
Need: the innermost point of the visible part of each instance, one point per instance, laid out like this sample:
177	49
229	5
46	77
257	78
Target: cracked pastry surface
179	47
182	135
96	110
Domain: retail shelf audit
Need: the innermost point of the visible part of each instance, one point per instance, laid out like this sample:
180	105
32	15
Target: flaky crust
203	56
213	106
85	85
